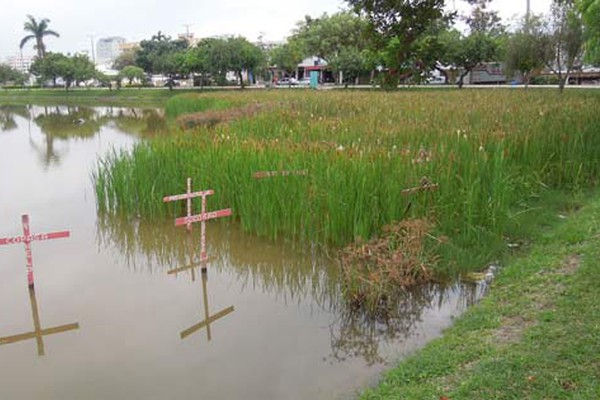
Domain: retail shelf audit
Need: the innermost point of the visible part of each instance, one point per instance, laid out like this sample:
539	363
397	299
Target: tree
83	68
590	11
196	60
218	56
125	59
104	80
210	56
243	56
161	55
37	30
75	69
286	57
562	45
48	67
522	52
396	25
483	41
339	39
10	75
132	72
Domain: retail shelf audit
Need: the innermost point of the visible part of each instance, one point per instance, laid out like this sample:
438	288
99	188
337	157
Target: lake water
107	319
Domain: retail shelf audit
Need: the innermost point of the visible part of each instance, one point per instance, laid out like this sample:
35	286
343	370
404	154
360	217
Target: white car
287	82
304	82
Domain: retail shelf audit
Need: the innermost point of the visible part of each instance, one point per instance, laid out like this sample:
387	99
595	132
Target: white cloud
134	20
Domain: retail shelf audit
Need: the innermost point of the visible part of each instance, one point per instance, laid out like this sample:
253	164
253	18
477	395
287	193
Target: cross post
27	238
204	216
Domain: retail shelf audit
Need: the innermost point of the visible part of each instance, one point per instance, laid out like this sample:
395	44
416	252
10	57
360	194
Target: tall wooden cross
204	216
27	238
38	333
208	319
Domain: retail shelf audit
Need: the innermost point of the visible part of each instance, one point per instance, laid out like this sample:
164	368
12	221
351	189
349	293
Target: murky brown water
108	321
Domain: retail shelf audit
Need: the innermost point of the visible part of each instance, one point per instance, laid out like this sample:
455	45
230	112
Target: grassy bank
493	154
127	97
535	336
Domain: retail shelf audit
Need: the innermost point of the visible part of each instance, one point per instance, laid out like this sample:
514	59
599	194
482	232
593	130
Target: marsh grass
491	152
192	103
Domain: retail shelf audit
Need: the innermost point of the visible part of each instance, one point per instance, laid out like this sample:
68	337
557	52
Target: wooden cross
204	216
425	186
27	238
208	319
38	332
270	174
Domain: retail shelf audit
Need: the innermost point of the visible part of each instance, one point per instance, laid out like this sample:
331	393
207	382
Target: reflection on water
194	263
273	312
208	319
38	333
360	334
292	275
8	114
69	122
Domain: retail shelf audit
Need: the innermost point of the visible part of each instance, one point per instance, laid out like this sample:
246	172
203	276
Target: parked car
304	82
287	82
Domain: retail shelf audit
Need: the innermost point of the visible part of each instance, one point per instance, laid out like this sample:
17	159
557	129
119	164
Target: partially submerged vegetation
534	336
489	154
88	96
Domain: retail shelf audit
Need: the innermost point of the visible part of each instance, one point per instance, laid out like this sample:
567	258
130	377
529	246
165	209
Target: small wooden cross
202	217
27	238
38	332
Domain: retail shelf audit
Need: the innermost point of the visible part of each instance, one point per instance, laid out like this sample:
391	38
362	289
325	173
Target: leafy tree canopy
8	74
161	54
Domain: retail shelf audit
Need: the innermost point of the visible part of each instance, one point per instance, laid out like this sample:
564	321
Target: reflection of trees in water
7	116
140	122
291	274
358	333
68	122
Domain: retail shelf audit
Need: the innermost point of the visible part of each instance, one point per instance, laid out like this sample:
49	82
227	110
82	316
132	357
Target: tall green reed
489	151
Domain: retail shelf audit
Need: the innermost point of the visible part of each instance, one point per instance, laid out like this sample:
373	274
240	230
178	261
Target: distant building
268	45
318	64
20	63
129	46
191	39
108	49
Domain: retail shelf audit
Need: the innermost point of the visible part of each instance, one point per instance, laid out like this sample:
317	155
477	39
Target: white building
20	63
108	49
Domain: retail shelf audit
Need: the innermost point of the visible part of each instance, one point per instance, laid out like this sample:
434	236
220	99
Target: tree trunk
562	80
241	79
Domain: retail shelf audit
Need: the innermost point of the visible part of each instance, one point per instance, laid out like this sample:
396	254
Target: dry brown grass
214	117
397	258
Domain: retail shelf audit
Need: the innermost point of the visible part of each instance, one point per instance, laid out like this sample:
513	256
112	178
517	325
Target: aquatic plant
367	154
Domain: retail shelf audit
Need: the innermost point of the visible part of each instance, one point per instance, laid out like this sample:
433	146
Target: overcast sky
78	20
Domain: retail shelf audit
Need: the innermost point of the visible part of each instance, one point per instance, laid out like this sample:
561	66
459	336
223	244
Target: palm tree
37	31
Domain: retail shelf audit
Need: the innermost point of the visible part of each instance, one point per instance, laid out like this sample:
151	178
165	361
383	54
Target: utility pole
187	31
528	14
93	52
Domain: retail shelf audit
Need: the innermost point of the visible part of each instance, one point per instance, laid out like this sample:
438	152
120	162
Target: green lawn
535	336
79	96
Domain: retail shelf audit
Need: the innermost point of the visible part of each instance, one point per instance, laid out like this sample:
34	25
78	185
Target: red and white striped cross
27	238
204	216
